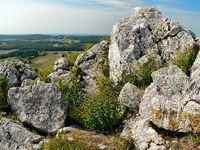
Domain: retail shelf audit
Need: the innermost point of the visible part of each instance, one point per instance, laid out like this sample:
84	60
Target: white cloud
29	17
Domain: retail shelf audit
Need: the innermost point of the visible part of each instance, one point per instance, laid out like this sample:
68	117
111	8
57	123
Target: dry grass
47	61
6	51
91	140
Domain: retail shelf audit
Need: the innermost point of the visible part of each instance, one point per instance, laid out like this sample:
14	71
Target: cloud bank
83	16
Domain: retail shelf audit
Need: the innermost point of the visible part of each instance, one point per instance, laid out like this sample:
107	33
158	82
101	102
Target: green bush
63	144
71	57
43	74
100	113
185	60
142	77
3	91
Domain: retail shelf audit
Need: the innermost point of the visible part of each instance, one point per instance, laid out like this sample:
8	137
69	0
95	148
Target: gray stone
16	72
172	101
130	96
61	63
145	137
63	75
145	32
41	106
89	64
14	136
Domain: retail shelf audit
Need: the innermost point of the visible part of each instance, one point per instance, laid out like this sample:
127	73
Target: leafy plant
43	74
63	144
185	60
3	91
142	76
100	113
71	57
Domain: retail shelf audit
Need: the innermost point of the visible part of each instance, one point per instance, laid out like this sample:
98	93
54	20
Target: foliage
185	60
100	113
71	92
3	91
142	77
63	144
43	74
123	143
71	57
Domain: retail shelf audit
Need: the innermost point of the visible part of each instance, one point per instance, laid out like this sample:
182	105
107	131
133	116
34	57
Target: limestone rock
89	64
130	96
16	72
41	106
172	101
145	137
63	75
145	32
61	72
14	136
61	63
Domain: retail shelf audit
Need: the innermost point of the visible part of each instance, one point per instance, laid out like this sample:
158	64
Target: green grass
185	60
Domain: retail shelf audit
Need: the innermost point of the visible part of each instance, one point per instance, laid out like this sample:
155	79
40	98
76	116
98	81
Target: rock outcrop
16	72
130	96
90	65
146	32
172	101
14	136
41	106
61	71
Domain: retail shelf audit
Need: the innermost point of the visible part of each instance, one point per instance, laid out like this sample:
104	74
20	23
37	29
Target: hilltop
138	91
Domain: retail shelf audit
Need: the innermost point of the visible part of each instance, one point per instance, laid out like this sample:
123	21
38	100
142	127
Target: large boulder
130	96
39	105
146	32
172	101
16	72
90	65
14	136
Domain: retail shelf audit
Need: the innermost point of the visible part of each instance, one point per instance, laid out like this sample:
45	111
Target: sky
86	16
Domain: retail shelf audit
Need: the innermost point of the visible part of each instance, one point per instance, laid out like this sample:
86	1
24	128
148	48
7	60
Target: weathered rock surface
41	106
144	136
16	72
90	65
146	32
130	96
61	63
14	136
172	101
61	72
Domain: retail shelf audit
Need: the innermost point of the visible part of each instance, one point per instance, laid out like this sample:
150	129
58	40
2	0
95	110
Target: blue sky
86	16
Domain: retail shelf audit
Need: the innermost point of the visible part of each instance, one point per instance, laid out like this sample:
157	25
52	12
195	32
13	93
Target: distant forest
33	45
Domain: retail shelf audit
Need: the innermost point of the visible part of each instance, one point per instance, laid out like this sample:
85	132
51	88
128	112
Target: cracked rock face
172	101
14	136
16	72
145	32
41	106
89	64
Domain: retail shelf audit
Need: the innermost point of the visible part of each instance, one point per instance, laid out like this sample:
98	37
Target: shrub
123	143
71	57
100	113
63	144
142	77
3	91
185	60
43	74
